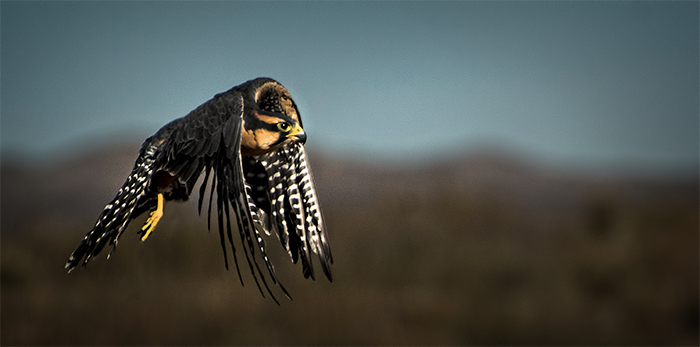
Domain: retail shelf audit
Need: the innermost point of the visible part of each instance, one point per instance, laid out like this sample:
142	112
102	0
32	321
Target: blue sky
594	83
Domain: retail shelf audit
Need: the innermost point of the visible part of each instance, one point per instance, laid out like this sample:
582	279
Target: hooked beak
297	134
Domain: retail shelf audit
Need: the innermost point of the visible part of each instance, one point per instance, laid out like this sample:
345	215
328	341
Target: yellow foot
153	219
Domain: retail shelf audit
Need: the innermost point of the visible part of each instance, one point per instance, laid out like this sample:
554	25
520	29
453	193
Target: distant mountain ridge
76	189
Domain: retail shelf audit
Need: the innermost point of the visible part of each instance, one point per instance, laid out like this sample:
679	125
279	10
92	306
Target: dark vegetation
481	249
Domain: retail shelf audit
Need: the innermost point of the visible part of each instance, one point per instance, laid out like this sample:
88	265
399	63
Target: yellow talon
153	218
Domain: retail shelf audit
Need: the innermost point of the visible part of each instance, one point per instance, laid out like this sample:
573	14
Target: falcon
249	143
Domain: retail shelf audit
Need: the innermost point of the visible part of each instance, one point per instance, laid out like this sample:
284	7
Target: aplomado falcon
249	140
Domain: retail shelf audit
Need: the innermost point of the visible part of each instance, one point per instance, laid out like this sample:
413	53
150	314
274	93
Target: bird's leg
153	218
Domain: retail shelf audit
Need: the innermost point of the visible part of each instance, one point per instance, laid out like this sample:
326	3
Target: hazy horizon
566	83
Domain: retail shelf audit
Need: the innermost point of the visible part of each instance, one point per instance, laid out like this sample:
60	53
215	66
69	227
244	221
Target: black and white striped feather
294	214
271	193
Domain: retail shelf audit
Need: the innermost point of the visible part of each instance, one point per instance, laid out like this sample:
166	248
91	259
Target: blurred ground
480	249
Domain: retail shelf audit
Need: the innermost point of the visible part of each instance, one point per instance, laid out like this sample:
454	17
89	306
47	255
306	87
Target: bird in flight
249	142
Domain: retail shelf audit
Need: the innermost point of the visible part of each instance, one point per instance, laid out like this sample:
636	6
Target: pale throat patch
258	142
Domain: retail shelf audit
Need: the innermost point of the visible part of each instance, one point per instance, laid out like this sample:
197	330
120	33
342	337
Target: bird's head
264	132
271	118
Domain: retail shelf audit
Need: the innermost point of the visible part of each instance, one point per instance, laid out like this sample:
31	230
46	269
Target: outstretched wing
178	152
128	204
283	196
208	140
294	212
274	191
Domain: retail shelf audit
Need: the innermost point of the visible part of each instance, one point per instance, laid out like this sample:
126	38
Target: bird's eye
285	127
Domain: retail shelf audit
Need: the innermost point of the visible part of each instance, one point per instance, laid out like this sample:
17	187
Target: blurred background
490	172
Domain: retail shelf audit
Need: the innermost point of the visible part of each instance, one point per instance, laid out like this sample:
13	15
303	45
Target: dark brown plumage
249	142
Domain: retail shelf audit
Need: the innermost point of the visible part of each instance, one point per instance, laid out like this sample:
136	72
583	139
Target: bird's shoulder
200	131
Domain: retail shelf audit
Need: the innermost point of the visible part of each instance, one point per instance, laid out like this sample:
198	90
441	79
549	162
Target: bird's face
264	132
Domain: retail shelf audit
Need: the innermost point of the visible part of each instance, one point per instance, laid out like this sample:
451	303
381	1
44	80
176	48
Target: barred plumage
248	142
117	214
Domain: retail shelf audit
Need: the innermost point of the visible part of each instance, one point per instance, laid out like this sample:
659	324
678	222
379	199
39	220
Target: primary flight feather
249	143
